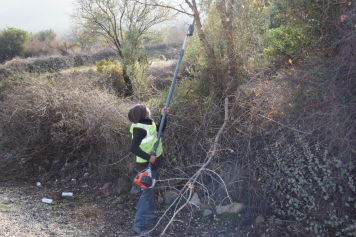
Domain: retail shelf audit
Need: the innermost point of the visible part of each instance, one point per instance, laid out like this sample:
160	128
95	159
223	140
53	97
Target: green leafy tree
112	19
13	42
113	70
46	35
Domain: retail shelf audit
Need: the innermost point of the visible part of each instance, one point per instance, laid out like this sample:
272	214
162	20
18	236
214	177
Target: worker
144	136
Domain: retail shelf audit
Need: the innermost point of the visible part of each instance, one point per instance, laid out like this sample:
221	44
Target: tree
13	42
113	19
231	33
41	43
46	35
85	37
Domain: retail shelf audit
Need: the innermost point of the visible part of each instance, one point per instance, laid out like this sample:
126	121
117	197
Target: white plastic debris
67	194
39	184
47	200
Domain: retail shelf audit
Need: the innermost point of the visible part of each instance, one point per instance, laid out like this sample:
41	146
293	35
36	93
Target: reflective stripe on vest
147	144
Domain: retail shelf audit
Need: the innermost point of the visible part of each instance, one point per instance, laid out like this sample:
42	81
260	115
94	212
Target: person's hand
152	159
164	109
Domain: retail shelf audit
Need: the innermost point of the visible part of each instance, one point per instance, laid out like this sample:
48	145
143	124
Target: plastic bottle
67	194
47	200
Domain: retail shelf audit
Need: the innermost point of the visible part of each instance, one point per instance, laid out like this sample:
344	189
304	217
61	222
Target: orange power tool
144	179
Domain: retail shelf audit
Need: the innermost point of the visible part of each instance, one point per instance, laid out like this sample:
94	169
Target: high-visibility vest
147	144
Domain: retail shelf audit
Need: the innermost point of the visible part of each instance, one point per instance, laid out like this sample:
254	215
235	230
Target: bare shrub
63	128
16	65
37	48
4	73
103	53
55	63
279	153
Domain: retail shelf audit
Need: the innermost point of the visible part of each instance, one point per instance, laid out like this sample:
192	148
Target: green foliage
288	41
119	22
252	23
132	49
236	34
12	43
196	62
300	28
188	97
113	70
46	35
135	60
311	187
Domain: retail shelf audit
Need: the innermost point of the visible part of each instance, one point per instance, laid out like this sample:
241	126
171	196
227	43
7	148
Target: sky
36	15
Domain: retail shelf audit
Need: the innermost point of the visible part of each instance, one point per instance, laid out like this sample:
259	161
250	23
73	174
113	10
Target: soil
92	213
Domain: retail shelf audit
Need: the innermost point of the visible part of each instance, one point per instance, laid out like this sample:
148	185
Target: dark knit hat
137	112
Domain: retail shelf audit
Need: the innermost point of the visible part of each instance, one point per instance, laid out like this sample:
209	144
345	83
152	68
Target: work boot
142	231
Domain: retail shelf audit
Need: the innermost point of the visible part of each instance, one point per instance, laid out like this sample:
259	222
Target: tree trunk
226	15
128	83
207	47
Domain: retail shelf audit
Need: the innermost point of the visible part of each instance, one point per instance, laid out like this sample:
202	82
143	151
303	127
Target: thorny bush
62	128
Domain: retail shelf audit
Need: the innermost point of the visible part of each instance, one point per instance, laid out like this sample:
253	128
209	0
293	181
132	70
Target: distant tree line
17	42
13	42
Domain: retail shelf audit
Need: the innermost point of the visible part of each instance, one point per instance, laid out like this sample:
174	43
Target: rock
170	196
123	186
207	212
259	220
195	200
160	200
231	208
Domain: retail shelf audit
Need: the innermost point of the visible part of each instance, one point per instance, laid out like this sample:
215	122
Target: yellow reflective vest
147	144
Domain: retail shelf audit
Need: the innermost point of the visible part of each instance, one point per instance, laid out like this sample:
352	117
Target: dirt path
22	213
89	213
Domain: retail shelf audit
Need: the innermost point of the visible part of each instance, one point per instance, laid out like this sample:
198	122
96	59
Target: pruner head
191	29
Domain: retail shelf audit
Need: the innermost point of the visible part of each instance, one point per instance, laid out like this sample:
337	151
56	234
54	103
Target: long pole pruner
189	33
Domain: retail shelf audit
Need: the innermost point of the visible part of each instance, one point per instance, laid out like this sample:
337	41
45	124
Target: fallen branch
189	186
